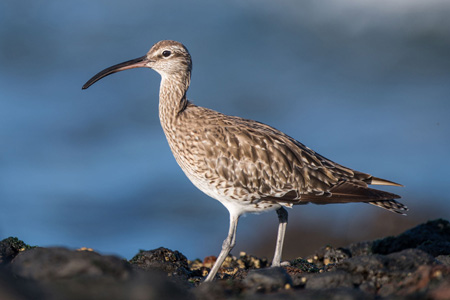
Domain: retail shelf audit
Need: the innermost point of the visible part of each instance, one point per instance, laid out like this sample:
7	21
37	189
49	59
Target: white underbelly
224	196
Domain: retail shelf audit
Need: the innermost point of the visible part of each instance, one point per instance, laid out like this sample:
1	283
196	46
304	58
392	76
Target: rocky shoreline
412	265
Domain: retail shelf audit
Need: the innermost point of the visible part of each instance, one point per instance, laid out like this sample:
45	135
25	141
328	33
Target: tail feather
379	181
391	205
348	192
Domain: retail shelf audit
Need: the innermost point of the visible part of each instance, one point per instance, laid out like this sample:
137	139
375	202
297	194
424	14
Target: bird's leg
227	245
282	219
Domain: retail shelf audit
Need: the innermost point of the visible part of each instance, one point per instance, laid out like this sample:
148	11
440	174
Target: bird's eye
166	53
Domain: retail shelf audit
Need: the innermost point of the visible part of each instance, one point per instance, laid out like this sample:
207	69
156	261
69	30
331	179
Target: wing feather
267	165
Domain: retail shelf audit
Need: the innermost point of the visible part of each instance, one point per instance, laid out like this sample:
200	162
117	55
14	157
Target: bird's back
242	161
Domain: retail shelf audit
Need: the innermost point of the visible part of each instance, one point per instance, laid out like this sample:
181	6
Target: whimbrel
248	166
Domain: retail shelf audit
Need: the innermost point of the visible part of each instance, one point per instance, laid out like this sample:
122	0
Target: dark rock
333	280
370	269
341	293
326	294
408	260
299	279
300	270
360	248
364	264
417	283
304	266
413	265
328	255
444	259
241	274
57	263
405	261
432	237
218	290
381	274
171	262
440	291
267	280
67	274
10	247
13	288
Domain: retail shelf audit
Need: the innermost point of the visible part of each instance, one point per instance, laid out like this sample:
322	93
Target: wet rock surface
413	265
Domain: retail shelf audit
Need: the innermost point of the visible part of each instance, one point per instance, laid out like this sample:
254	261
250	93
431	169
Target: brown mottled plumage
246	165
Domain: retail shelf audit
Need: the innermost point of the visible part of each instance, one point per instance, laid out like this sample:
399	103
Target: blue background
365	84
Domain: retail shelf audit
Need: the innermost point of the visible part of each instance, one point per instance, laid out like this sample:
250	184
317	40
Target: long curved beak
134	63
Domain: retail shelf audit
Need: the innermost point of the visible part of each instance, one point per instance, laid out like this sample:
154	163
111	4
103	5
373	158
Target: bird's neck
172	99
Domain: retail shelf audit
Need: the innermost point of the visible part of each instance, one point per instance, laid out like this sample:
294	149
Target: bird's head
168	58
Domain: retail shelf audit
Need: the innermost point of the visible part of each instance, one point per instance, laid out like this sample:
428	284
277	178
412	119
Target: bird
248	166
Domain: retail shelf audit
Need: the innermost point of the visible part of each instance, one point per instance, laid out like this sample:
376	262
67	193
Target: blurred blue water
368	88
